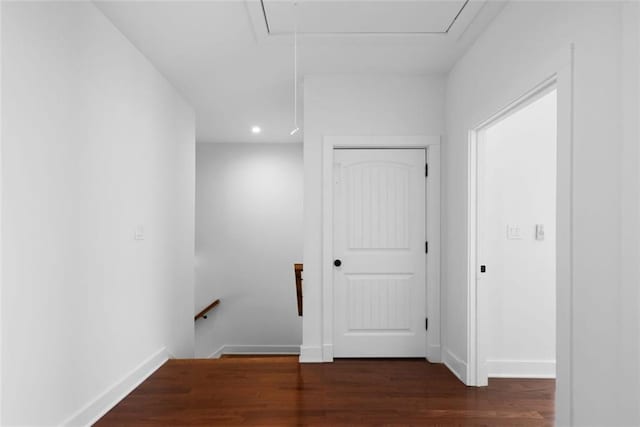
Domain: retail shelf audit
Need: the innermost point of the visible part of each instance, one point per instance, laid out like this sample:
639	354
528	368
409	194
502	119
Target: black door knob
337	263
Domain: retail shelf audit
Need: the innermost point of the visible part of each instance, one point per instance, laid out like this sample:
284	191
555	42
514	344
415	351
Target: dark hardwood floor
277	391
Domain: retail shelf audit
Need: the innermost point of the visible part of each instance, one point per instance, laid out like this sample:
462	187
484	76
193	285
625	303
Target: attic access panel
362	16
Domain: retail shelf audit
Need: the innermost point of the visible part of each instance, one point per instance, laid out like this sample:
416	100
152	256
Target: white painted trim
310	354
477	303
456	365
472	217
330	143
379	141
434	353
1	210
433	229
457	32
108	399
216	354
564	336
327	353
561	69
256	349
521	368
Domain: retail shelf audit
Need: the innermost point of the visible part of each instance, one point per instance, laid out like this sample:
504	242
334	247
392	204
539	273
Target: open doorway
515	240
249	223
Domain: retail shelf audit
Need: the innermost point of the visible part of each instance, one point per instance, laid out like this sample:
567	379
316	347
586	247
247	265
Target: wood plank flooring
278	391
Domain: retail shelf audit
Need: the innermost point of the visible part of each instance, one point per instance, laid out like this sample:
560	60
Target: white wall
344	105
517	52
630	207
95	142
1	233
248	236
517	163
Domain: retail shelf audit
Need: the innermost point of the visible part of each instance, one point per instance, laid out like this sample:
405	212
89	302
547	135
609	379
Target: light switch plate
514	232
139	233
539	231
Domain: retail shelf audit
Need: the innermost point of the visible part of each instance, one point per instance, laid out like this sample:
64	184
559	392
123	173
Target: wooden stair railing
297	268
207	309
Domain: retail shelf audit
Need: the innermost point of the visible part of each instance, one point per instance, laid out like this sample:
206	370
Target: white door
379	244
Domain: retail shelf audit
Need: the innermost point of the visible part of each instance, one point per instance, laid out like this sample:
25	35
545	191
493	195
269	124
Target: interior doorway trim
432	146
478	306
560	77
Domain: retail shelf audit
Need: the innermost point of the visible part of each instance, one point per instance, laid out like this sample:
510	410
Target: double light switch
514	232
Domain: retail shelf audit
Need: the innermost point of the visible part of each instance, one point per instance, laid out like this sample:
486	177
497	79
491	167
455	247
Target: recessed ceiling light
256	129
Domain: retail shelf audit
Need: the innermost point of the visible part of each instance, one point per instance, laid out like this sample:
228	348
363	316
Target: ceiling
358	17
237	73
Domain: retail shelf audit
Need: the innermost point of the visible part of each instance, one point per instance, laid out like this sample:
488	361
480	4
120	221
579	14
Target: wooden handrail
297	268
207	309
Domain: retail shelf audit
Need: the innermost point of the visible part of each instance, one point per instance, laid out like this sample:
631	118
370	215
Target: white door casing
432	146
379	238
559	71
478	299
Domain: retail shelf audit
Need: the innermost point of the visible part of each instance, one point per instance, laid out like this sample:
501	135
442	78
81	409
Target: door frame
561	74
478	298
431	145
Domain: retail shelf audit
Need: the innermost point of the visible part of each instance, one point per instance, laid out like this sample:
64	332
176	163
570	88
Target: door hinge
426	169
426	323
426	247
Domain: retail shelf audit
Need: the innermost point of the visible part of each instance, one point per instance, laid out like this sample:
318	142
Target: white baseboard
521	368
327	352
104	402
434	354
256	349
216	354
455	365
310	354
